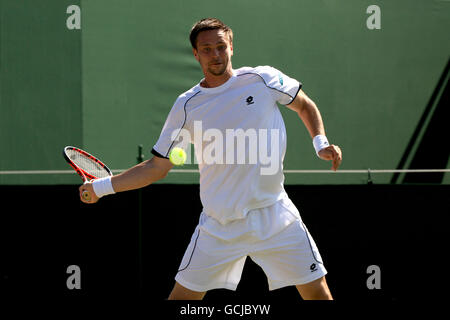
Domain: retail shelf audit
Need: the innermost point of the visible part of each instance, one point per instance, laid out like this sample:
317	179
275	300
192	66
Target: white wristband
320	141
103	187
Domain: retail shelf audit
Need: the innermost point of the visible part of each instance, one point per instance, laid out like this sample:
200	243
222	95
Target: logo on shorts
313	267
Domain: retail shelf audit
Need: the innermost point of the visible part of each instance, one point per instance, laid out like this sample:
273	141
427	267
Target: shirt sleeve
171	130
284	89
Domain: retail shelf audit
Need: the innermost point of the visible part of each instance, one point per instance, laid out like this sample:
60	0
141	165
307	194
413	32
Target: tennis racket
86	165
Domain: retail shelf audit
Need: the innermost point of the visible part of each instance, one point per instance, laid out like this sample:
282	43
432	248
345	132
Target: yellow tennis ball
177	156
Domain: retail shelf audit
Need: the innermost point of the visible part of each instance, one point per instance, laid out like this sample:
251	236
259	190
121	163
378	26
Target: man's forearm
312	119
138	176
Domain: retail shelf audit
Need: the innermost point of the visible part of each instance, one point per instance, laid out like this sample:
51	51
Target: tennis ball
177	156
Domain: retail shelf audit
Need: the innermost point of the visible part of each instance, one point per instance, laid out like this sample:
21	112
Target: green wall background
40	88
109	86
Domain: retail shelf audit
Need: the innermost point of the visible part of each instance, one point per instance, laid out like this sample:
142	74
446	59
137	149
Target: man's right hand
87	187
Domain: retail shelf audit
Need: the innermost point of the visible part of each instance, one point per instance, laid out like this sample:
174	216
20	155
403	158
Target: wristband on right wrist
102	187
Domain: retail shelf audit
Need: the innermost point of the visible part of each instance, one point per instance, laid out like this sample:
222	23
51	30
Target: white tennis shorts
274	237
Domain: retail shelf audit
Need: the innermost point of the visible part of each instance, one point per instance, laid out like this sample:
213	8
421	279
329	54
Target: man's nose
216	52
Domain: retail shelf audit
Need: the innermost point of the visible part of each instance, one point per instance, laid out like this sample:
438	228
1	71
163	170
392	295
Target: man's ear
195	52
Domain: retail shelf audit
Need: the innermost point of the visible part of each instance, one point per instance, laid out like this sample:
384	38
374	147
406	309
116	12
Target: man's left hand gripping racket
86	165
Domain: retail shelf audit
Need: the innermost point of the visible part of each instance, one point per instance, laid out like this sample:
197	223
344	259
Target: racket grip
86	195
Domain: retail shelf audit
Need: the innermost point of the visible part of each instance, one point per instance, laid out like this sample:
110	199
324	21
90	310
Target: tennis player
246	213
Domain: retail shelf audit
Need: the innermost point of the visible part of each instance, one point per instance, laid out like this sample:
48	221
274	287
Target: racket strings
87	164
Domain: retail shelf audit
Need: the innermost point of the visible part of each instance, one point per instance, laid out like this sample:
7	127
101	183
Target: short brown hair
208	24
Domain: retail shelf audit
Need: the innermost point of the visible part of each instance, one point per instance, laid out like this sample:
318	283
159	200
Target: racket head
86	165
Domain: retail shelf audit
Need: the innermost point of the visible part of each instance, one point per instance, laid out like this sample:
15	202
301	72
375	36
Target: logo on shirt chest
249	100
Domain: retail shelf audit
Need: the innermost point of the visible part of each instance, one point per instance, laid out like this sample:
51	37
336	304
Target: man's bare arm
310	115
136	177
142	174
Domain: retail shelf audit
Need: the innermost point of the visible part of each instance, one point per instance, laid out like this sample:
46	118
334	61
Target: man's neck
212	81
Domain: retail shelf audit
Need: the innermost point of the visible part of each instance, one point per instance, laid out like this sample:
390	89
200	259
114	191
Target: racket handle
86	195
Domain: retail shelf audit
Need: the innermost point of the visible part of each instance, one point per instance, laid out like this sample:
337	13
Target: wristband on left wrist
320	142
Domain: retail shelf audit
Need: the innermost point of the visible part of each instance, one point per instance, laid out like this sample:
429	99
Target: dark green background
109	86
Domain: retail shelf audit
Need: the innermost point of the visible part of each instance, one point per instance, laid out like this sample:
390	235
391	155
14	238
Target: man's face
214	52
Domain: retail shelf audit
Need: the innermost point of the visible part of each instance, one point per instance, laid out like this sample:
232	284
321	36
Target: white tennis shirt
239	139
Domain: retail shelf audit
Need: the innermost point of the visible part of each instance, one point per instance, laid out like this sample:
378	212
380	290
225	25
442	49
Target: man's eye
206	49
